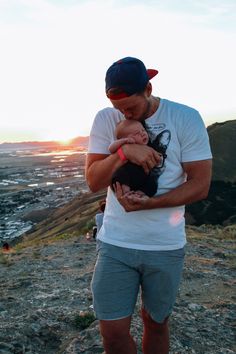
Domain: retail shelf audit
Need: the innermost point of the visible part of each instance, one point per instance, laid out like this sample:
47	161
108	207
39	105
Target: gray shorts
120	273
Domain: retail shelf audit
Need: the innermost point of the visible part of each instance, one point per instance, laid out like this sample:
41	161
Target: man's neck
153	106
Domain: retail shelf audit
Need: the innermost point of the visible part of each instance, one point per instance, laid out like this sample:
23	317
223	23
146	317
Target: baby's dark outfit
134	176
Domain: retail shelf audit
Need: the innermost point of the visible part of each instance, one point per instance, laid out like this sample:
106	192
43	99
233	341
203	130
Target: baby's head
132	129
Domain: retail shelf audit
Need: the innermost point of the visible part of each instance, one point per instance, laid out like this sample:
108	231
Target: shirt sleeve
102	131
194	139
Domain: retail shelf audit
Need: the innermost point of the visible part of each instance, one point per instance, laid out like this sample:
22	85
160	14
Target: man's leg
160	284
115	287
155	335
116	336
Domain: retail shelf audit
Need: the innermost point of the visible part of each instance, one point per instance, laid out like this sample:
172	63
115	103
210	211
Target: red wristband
121	154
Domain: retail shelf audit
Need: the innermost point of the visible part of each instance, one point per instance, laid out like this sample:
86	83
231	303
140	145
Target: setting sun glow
52	82
64	142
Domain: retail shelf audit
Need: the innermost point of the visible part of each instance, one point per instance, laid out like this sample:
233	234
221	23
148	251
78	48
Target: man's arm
100	167
194	189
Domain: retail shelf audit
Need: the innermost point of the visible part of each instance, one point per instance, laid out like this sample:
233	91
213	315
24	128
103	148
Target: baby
131	176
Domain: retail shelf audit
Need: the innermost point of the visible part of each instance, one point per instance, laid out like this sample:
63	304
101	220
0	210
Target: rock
195	307
6	347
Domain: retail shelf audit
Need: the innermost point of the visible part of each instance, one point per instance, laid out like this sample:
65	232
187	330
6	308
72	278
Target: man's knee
153	325
116	330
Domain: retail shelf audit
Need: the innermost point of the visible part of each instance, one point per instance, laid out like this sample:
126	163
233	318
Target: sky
54	55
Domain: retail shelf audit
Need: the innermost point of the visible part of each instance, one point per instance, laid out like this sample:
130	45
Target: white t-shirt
179	131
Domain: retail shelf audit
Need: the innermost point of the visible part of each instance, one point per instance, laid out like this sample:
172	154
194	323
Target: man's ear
148	89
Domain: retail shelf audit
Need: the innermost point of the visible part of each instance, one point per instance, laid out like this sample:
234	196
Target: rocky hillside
46	303
223	145
219	207
75	216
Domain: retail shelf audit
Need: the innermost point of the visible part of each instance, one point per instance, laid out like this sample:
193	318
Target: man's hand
131	201
142	155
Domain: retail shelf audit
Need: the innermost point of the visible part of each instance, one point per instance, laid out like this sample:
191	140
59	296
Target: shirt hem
143	247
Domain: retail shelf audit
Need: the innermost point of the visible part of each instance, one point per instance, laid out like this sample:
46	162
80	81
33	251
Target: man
141	242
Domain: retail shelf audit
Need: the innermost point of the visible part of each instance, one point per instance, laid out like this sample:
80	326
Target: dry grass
227	233
5	259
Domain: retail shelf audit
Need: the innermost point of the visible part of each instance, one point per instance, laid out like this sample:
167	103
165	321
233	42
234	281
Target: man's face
135	107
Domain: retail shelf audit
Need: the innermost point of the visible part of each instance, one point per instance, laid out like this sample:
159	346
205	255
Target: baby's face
138	133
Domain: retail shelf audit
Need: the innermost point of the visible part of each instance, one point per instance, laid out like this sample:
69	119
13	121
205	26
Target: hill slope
76	216
223	144
220	206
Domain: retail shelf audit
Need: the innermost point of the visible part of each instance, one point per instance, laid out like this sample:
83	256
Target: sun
63	137
65	142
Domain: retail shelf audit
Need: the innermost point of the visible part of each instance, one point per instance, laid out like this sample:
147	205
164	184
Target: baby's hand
139	194
129	193
130	140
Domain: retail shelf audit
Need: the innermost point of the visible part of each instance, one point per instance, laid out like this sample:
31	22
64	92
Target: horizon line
70	140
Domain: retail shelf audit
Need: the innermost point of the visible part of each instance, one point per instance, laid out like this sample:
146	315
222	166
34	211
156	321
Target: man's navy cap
126	77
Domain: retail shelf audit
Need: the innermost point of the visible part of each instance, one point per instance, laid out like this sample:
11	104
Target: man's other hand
131	201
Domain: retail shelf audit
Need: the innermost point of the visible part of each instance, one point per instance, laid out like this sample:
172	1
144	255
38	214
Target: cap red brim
151	73
118	96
